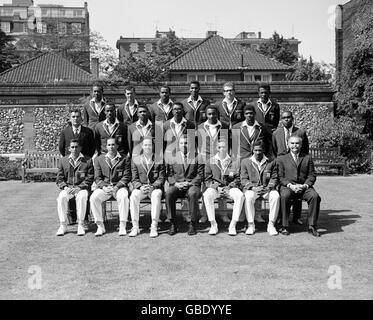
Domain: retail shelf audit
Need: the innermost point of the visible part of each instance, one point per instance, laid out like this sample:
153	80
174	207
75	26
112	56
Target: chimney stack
210	33
95	68
260	35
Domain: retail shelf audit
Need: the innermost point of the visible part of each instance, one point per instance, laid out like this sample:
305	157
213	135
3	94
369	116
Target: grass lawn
185	267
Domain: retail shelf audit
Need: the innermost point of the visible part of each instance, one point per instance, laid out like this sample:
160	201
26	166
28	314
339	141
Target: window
54	13
6	12
210	78
78	13
202	77
266	77
44	12
41	27
257	77
148	47
76	28
134	47
62	28
248	77
5	26
69	13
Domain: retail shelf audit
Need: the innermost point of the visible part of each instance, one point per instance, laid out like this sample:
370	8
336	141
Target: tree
8	56
279	49
106	55
307	70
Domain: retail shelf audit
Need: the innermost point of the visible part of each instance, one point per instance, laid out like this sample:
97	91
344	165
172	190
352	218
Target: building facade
44	27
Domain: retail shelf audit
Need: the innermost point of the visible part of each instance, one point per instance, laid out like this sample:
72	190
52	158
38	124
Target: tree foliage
278	48
307	70
8	56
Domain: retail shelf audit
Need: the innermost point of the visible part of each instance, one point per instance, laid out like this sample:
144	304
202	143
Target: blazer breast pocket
120	174
119	139
82	174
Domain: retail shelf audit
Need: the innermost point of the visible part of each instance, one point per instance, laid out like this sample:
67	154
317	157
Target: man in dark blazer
74	130
148	178
111	128
75	178
185	175
195	105
112	176
127	112
297	176
138	130
175	128
245	133
230	108
161	110
222	178
93	109
267	110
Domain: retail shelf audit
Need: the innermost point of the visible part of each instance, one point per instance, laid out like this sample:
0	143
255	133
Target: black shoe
203	219
192	229
297	222
173	229
284	231
313	231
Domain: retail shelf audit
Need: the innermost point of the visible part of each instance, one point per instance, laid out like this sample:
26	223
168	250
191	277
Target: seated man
185	175
147	179
112	175
75	177
222	180
297	176
259	179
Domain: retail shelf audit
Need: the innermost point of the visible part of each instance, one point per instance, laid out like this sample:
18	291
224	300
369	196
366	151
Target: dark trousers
310	195
193	193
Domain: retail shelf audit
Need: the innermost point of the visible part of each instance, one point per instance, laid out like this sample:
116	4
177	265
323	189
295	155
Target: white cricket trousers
274	204
63	205
137	195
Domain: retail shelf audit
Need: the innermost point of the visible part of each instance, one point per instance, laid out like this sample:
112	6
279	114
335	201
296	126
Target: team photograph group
190	150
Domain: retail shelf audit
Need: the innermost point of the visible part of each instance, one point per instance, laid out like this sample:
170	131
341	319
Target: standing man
93	111
185	175
230	108
222	177
112	175
127	112
148	178
297	176
195	105
75	130
75	177
259	179
111	128
247	132
161	110
267	110
137	131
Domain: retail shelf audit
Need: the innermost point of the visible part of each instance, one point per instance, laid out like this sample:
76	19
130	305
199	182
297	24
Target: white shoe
81	231
100	230
134	232
153	232
122	229
232	229
213	229
61	230
272	230
250	229
259	219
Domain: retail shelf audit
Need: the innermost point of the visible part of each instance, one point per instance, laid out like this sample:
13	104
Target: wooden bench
329	157
40	162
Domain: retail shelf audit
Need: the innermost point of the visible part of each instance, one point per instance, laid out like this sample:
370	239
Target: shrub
9	169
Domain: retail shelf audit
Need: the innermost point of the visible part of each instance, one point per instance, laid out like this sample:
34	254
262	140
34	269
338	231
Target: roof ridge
265	57
23	63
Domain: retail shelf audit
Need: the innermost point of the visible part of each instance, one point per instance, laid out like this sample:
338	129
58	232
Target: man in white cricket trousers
259	178
148	178
222	180
75	178
112	175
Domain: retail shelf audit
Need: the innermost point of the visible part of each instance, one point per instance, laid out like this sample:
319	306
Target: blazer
241	138
116	175
198	115
85	138
135	137
90	115
270	117
124	114
170	138
290	172
251	176
279	147
228	178
155	175
80	176
235	116
207	145
119	133
157	114
177	173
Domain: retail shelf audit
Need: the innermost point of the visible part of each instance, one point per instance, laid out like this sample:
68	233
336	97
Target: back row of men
234	155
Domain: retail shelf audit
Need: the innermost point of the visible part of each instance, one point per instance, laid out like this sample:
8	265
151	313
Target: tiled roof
48	67
217	53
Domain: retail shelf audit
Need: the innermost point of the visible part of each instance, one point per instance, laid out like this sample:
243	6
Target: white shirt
111	126
76	130
287	133
194	102
224	162
212	128
149	161
132	108
185	158
77	160
113	160
178	126
144	130
260	164
166	107
230	105
295	157
250	129
98	106
265	106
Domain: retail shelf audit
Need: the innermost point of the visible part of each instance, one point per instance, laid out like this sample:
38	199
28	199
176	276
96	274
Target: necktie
75	133
296	158
286	139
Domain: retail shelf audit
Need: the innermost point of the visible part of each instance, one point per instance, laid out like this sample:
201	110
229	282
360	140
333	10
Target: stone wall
11	130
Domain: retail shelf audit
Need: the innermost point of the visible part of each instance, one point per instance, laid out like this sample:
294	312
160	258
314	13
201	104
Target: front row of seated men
291	176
